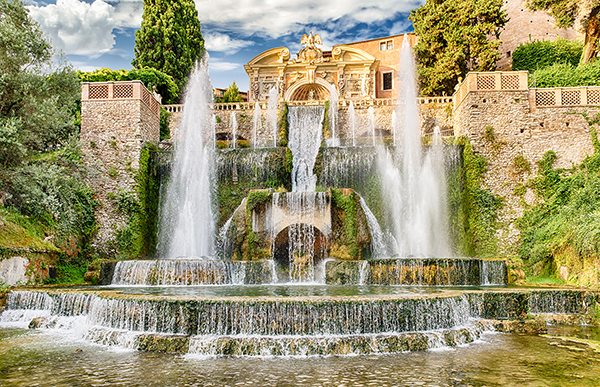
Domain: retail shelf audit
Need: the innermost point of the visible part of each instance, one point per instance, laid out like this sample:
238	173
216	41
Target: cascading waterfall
234	125
303	202
352	122
187	224
299	209
272	114
304	142
256	124
413	185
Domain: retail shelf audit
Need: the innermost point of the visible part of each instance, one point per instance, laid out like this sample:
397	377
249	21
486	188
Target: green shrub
165	133
540	54
565	224
567	75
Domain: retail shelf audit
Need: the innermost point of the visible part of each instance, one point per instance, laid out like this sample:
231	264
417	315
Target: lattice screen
98	92
545	98
123	91
509	82
571	97
593	96
486	82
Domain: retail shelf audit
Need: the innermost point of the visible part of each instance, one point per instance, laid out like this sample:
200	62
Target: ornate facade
361	70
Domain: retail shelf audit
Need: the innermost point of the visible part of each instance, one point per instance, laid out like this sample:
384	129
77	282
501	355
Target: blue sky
100	33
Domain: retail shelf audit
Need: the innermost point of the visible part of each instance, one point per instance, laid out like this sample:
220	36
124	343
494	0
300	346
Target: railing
567	96
359	103
102	91
490	81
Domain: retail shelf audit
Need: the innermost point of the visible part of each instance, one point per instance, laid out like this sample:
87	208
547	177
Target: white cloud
219	65
215	41
400	27
275	18
81	28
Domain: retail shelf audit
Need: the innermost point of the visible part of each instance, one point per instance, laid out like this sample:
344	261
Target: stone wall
113	132
506	125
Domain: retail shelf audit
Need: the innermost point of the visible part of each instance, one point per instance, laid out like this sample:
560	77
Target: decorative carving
326	75
310	54
255	89
283	55
341	83
296	76
337	53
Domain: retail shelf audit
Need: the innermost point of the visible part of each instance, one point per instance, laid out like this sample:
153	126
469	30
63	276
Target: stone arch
317	245
301	90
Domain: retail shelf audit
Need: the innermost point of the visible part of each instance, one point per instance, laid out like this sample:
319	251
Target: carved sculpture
310	54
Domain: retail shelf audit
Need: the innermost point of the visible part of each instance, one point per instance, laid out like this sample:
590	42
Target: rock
41	322
92	277
564	273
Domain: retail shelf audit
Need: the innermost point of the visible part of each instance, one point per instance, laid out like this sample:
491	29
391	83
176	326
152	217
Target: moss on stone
349	230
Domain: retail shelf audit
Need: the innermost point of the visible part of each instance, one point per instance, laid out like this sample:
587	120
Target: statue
311	54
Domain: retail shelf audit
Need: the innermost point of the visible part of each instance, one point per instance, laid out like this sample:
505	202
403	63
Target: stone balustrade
119	90
490	81
518	81
566	96
358	104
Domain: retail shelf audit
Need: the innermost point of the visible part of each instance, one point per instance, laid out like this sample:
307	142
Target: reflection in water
31	358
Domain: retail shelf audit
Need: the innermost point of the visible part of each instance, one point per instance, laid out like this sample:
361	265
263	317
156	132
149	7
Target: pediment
272	56
344	53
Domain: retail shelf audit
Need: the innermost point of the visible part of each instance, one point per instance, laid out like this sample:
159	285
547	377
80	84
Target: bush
564	227
567	75
164	83
540	54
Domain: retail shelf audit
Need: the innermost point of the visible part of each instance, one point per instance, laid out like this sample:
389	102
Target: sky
100	33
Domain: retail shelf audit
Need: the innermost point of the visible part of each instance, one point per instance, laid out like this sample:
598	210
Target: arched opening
310	92
297	249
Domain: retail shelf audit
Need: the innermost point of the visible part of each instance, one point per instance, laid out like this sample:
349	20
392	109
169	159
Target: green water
275	290
33	358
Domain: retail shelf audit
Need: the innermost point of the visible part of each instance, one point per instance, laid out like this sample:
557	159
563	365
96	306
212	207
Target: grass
20	232
545	280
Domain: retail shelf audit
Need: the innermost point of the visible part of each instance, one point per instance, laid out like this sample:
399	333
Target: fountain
272	114
352	122
234	125
314	269
256	125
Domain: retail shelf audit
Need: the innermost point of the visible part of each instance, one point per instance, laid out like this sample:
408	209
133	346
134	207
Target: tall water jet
213	133
187	224
352	122
371	112
394	126
234	125
333	112
256	125
413	184
272	114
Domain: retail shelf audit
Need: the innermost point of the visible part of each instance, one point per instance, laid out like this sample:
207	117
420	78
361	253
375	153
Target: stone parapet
512	127
117	119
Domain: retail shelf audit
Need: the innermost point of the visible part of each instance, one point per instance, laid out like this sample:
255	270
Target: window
388	83
386	45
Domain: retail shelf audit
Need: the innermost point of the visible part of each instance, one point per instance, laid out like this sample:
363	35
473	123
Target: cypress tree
170	39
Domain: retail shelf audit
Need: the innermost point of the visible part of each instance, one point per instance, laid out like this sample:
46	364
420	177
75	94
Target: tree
170	39
37	95
567	12
454	38
232	94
